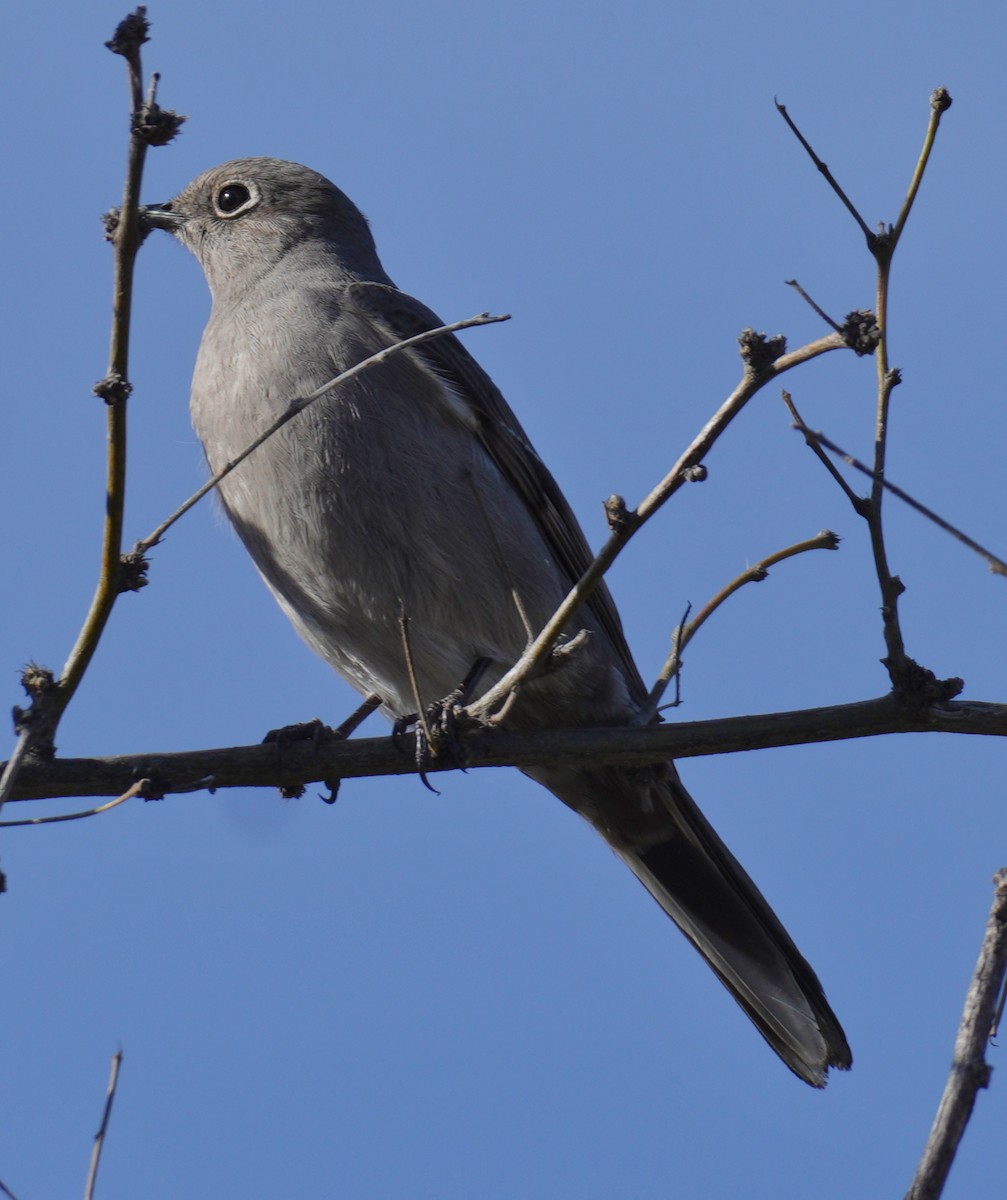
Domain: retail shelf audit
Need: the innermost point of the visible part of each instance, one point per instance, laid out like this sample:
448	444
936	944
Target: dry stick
99	1137
969	1069
781	109
825	540
815	438
298	405
533	658
812	441
137	789
817	309
414	683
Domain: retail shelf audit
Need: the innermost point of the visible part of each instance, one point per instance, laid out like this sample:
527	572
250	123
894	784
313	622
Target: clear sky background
407	995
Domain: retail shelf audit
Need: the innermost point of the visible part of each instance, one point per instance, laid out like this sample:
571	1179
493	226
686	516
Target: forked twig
909	680
816	439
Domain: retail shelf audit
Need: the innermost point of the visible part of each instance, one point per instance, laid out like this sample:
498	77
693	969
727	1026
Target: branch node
130	34
42	690
617	515
940	100
861	332
917	688
133	571
113	389
695	474
152	124
759	352
563	652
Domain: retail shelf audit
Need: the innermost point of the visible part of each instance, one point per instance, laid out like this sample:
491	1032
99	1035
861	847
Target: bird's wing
401	316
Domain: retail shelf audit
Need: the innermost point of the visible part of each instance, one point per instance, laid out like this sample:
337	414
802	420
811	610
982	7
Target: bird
413	492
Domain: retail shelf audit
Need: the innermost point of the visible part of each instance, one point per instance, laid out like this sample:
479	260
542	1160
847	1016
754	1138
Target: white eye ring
233	198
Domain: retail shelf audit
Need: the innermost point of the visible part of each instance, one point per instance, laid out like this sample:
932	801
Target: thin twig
817	309
6	1191
137	789
781	109
940	102
414	683
359	715
149	126
298	405
969	1069
12	767
813	437
99	1137
812	440
676	649
825	540
532	660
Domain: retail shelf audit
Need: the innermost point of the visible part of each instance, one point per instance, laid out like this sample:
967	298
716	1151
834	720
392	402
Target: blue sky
415	996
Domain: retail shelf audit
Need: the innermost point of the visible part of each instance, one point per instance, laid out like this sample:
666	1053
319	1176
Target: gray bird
415	490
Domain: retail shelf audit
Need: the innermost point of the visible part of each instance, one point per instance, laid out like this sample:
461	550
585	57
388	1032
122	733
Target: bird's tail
679	858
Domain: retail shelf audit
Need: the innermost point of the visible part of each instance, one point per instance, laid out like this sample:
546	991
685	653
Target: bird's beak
161	216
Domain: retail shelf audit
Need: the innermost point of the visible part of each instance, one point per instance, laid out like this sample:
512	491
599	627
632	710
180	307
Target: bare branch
969	1068
99	1137
297	406
684	471
824	540
940	102
815	438
831	179
138	789
150	125
817	309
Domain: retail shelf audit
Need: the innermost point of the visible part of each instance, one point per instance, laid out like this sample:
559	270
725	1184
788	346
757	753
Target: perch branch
303	763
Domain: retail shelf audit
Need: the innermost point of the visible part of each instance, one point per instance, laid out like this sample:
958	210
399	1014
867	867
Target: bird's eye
230	198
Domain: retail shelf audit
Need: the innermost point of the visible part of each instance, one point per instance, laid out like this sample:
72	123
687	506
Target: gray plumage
414	489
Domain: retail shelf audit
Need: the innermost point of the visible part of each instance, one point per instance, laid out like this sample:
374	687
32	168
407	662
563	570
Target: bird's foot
439	727
317	732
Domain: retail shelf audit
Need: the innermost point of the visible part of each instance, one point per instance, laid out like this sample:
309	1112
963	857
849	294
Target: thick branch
304	763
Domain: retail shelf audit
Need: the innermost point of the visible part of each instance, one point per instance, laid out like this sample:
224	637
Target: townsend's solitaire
414	489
